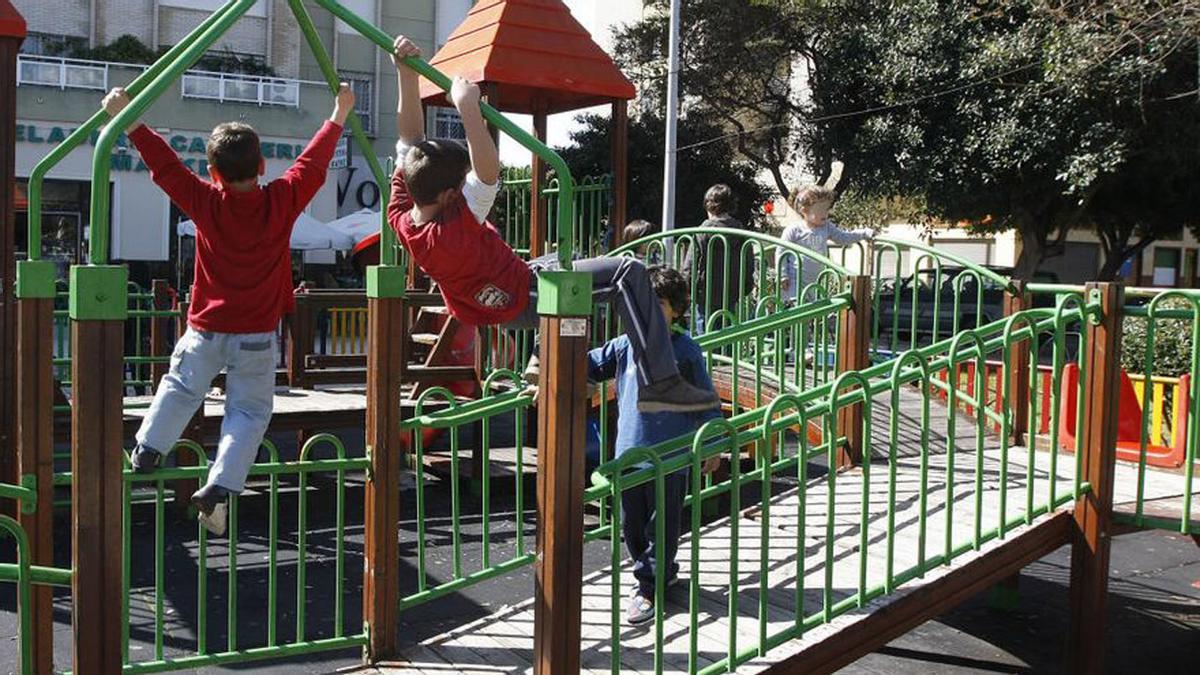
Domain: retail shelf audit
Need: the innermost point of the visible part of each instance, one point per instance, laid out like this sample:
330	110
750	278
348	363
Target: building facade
260	72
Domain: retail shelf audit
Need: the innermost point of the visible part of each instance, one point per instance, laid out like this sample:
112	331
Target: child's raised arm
485	158
410	119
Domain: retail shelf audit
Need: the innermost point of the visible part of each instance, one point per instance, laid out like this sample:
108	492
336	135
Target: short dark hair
670	285
431	167
635	230
234	151
720	199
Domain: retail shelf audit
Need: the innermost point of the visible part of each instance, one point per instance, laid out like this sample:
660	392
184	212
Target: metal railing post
98	309
385	358
1086	644
1016	300
565	305
854	342
35	439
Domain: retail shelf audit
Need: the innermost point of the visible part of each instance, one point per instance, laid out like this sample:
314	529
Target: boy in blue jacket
639	429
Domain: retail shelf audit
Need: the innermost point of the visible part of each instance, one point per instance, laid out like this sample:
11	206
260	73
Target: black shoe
674	394
145	460
210	501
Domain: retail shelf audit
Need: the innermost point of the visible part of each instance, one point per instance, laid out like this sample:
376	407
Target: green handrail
101	161
498	120
1006	284
85	130
631	246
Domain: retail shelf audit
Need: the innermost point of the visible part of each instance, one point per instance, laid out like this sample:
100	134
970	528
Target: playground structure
899	501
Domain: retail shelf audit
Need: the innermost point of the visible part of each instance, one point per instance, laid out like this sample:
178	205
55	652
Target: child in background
712	294
638	429
813	232
243	284
441	196
636	229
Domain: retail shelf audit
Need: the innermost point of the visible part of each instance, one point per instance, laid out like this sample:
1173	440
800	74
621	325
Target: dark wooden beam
35	457
854	343
862	637
97	493
619	133
1086	636
10	45
1020	364
558	585
538	217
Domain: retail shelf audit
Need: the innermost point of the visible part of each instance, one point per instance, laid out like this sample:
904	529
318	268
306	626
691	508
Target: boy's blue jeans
637	522
248	360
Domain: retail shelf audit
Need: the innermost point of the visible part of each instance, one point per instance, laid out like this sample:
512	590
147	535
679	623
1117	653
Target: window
363	100
1166	266
50	44
447	125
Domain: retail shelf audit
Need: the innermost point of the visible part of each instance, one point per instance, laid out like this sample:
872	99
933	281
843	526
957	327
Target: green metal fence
768	426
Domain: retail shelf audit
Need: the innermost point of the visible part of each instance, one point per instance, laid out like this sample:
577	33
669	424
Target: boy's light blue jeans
248	360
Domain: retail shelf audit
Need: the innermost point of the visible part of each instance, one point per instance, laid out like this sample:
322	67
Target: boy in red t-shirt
441	195
243	284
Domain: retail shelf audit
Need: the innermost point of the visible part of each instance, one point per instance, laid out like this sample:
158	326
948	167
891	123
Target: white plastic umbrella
309	234
358	225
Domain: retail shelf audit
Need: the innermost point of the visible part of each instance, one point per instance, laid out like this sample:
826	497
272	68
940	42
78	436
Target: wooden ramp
800	552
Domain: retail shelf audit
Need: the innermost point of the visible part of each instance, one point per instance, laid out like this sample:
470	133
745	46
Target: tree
1039	115
708	164
736	72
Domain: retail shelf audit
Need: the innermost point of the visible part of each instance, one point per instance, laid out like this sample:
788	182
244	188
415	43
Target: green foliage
129	49
708	164
856	209
1172	354
1027	114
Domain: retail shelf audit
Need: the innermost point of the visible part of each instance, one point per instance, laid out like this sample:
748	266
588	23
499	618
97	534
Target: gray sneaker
675	394
640	610
211	501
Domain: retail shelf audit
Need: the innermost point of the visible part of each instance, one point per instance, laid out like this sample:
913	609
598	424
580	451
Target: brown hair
636	229
804	196
234	151
432	167
720	200
670	285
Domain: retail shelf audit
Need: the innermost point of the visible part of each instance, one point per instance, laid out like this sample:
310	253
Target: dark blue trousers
637	521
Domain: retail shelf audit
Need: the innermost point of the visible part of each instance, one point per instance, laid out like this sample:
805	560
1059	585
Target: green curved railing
982	271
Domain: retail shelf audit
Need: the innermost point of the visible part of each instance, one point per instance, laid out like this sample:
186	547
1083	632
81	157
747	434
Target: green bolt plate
99	293
564	293
385	281
35	279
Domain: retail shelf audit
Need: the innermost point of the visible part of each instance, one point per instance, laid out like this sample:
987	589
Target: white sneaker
217	521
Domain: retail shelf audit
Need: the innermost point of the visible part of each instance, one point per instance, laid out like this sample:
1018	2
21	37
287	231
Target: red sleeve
307	174
400	202
185	188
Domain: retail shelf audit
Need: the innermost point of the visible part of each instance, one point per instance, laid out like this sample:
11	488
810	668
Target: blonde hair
804	196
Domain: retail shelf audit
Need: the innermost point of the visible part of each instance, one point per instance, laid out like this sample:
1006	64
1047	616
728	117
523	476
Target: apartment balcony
84	76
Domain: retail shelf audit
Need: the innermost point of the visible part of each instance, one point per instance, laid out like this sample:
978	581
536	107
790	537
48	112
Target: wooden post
35	438
97	310
386	344
12	34
160	346
300	341
1086	637
854	343
1020	365
538	206
619	133
564	303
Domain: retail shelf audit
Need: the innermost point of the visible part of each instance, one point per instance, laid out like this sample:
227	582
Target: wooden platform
791	539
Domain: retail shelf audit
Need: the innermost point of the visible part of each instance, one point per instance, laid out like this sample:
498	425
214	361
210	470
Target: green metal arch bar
630	246
77	137
566	182
101	162
387	238
958	260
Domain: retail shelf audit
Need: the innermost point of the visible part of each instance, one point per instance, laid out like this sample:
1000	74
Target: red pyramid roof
12	24
535	53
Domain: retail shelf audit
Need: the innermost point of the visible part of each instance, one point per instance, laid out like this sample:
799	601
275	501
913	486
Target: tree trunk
1033	251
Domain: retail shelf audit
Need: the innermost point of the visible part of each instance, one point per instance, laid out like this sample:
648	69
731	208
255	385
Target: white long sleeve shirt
815	239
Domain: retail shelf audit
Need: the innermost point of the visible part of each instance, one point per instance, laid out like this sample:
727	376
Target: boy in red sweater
243	284
441	195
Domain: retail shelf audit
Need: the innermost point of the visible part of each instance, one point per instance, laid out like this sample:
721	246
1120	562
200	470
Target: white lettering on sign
573	328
